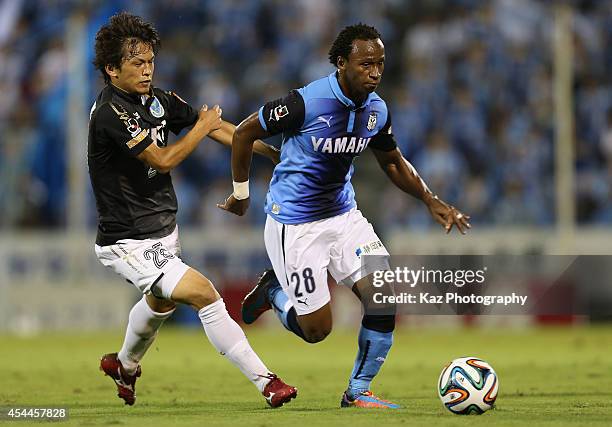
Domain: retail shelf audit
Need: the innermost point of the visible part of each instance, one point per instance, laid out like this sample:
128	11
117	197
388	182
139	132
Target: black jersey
134	201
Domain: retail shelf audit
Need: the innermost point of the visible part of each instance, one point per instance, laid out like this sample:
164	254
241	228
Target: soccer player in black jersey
129	163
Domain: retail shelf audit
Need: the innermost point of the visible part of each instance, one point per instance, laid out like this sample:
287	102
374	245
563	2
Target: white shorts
303	254
152	265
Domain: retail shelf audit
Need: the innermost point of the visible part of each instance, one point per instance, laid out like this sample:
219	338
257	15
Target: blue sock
373	349
280	303
282	306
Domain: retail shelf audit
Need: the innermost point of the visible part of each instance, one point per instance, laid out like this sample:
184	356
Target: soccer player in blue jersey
314	228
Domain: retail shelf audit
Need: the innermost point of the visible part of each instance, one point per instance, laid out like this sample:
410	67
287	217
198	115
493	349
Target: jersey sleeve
123	129
283	114
181	114
384	139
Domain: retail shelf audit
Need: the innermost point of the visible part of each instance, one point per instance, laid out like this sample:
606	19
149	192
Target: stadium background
505	108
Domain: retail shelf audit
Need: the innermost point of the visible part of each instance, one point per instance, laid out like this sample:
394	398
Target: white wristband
241	190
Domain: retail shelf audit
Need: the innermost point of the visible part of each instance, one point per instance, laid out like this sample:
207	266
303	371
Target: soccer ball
468	385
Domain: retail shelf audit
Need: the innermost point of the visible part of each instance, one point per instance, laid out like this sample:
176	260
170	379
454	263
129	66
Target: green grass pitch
548	377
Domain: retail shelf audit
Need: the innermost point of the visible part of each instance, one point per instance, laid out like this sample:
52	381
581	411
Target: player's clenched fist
209	120
235	206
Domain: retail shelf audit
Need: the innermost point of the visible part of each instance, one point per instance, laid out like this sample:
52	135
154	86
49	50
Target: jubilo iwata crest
371	121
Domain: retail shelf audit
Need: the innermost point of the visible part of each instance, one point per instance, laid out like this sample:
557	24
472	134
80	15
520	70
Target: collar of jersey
337	90
134	98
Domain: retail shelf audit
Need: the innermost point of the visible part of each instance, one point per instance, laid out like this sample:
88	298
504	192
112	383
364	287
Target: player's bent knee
317	325
316	333
315	336
196	290
205	293
159	305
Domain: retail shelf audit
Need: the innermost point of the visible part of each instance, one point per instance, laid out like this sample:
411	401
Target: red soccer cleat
126	384
277	392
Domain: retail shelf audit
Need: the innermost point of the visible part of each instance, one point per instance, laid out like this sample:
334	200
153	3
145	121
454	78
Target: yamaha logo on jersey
339	145
371	122
156	109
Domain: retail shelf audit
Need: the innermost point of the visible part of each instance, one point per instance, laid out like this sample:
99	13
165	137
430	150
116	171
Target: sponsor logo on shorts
369	248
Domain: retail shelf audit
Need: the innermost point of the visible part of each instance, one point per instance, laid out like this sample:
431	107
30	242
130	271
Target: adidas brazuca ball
468	385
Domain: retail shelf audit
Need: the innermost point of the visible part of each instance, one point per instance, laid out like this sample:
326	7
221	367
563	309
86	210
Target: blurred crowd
469	85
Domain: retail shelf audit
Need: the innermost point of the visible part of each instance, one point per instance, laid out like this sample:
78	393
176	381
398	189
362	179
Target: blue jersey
323	132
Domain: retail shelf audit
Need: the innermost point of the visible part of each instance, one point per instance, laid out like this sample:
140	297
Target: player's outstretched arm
407	179
225	134
164	159
242	152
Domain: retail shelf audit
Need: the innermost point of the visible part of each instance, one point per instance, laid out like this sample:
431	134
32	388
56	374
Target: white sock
141	331
229	340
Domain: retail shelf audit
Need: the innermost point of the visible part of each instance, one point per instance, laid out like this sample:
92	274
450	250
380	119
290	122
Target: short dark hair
118	39
343	44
